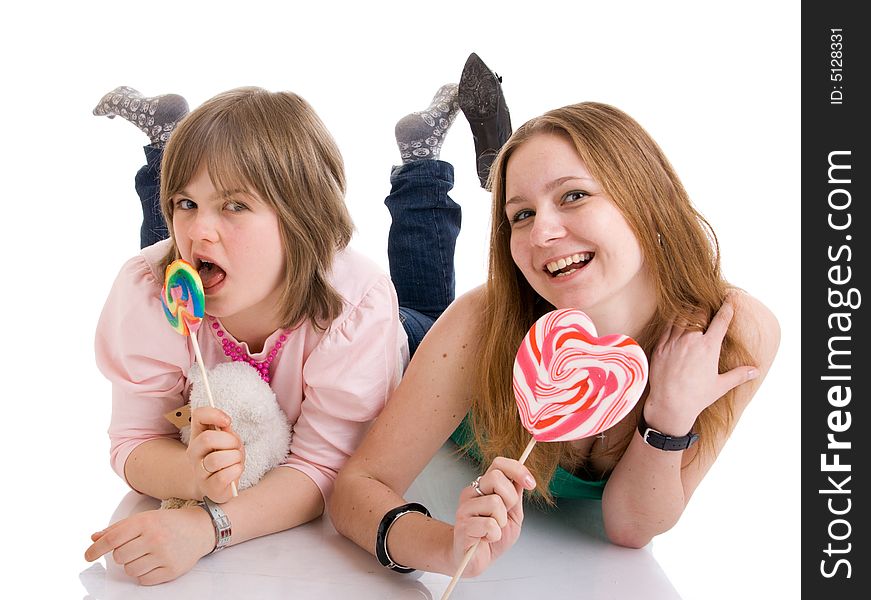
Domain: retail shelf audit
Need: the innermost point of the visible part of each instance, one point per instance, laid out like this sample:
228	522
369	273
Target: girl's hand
157	545
216	458
493	517
684	374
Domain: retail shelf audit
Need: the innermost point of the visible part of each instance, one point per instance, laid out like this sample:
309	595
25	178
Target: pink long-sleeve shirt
330	384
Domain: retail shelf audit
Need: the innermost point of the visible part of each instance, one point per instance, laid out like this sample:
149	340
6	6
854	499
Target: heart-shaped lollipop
571	384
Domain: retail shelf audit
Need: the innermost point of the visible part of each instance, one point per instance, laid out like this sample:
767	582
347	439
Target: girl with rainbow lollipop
252	188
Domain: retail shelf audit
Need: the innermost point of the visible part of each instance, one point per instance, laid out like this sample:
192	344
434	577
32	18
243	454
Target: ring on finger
476	485
203	465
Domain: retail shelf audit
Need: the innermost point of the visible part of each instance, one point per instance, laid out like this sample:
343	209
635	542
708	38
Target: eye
185	204
234	206
574	196
522	215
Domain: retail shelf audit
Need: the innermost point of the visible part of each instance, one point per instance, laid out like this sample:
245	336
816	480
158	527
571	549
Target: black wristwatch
662	441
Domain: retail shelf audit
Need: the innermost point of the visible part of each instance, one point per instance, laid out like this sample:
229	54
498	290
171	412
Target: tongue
211	275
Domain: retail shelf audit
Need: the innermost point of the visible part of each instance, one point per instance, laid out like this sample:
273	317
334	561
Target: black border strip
834	253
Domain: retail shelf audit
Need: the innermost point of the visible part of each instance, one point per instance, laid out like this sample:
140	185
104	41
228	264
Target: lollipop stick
471	551
466	558
202	368
526	452
208	390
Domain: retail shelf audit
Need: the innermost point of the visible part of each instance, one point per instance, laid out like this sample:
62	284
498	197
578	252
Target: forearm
282	499
160	468
174	540
649	489
422	412
644	495
414	540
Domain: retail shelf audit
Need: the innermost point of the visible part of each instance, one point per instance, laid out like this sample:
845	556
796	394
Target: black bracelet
387	522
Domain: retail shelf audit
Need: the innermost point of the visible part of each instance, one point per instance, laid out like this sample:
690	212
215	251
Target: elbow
628	537
634	526
634	531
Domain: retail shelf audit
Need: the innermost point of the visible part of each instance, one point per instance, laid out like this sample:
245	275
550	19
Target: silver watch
220	521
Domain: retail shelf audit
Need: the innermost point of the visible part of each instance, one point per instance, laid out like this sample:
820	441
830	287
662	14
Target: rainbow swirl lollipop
183	299
570	384
184	304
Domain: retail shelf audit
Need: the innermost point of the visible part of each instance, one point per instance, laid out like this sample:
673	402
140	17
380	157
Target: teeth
569	260
569	272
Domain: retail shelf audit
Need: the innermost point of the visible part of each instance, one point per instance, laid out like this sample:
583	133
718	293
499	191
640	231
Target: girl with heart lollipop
589	214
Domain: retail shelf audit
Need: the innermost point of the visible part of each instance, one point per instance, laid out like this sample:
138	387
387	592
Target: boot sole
478	91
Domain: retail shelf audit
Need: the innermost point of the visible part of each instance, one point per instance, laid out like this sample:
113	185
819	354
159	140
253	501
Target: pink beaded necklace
237	353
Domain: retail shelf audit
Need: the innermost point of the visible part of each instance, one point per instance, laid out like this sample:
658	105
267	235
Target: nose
203	226
547	227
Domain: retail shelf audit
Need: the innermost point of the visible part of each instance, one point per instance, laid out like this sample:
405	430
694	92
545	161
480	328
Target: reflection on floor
561	553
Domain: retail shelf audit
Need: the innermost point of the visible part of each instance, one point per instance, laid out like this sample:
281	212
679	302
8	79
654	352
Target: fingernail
529	481
752	374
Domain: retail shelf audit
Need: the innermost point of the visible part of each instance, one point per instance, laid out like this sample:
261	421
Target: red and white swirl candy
571	384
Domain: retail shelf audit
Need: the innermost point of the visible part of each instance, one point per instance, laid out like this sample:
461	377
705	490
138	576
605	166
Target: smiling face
232	238
569	239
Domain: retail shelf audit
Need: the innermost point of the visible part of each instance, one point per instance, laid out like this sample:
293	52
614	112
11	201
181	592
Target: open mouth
569	264
210	273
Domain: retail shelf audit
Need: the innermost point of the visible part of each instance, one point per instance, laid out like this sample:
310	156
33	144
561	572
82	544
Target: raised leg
425	221
157	117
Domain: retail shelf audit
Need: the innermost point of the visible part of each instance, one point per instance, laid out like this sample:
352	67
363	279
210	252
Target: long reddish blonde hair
684	268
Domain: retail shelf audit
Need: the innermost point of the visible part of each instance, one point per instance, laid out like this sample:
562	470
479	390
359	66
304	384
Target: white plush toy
239	391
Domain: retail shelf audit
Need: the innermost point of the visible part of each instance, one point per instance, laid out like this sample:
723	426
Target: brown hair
684	269
274	144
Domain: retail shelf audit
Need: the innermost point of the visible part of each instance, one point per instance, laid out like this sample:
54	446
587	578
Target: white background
717	85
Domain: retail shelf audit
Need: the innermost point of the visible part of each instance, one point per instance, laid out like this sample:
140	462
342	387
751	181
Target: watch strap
663	441
220	521
387	522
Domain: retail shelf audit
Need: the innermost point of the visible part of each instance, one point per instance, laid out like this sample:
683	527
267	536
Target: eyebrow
222	194
237	192
551	187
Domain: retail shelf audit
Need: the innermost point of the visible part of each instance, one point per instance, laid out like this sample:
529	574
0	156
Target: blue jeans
420	244
148	187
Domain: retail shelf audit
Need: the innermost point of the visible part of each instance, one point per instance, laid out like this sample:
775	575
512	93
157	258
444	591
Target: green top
563	484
